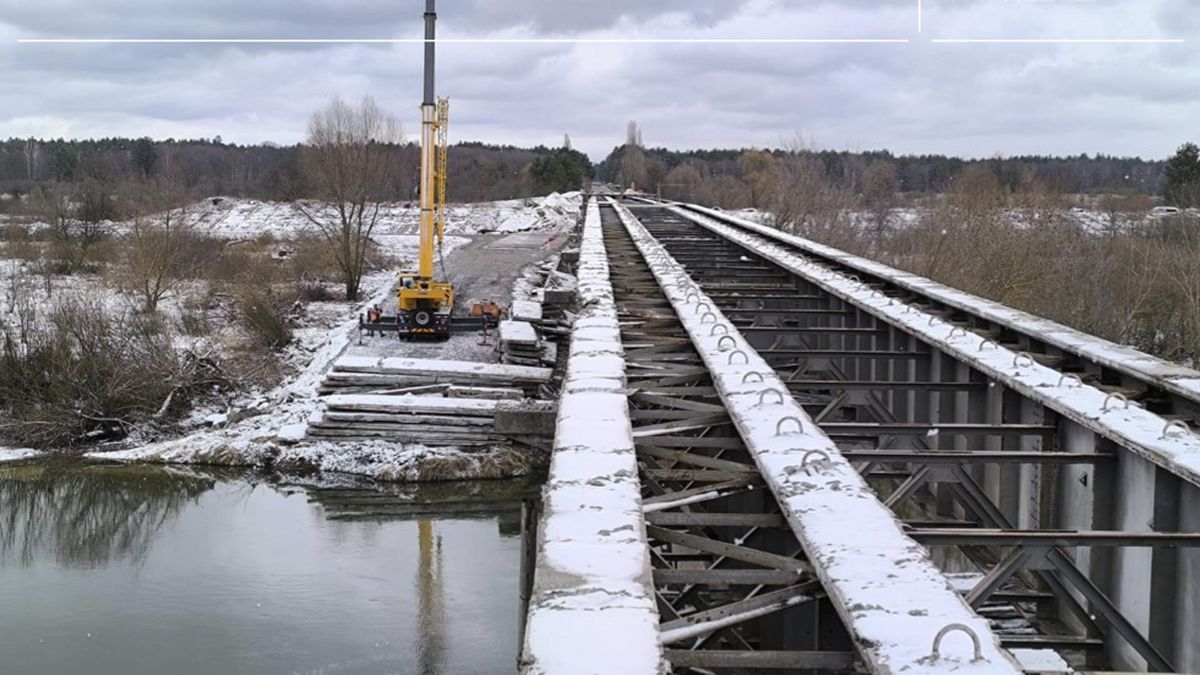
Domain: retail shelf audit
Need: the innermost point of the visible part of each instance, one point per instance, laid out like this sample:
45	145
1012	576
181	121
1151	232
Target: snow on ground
265	438
232	218
1090	220
268	427
16	454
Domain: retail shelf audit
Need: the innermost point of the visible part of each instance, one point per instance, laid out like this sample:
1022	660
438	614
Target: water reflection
140	569
431	641
87	515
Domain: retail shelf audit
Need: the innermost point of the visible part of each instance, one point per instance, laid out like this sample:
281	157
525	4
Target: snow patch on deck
592	607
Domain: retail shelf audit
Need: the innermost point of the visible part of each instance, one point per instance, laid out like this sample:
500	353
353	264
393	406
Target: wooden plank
435	367
726	549
707	519
412	404
401	419
724	576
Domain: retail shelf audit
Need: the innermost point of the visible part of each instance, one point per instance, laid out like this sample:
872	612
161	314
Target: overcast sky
912	97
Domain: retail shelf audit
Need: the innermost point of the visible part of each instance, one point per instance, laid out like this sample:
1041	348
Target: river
113	569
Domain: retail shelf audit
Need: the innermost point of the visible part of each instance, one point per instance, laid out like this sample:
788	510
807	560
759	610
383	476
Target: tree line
737	178
477	171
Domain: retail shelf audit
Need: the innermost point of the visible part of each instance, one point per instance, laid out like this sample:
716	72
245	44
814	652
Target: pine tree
1183	177
145	156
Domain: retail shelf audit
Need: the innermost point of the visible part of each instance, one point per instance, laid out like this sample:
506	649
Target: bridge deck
751	360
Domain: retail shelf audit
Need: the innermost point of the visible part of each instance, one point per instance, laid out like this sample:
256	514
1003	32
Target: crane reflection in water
431	606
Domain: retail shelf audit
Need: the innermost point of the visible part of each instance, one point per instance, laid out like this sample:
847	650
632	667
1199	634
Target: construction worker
374	314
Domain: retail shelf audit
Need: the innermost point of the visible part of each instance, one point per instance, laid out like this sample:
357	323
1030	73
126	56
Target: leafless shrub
19	244
157	242
806	201
263	313
312	290
1133	283
194	316
83	374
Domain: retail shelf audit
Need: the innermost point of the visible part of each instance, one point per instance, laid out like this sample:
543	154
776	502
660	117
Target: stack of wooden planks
428	420
361	375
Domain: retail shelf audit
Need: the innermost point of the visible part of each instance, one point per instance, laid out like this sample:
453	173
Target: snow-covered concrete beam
1172	377
592	608
891	597
1132	427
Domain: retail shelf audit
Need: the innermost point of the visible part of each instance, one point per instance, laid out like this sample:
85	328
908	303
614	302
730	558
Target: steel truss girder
725	567
1054	568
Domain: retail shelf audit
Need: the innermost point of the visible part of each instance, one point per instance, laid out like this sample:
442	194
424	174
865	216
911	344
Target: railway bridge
772	455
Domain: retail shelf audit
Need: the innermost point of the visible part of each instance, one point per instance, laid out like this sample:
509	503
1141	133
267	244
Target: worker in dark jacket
373	316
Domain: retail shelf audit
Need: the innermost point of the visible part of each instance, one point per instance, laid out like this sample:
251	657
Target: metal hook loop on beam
778	394
736	352
704	319
1108	399
713	331
1023	355
988	341
746	377
808	455
703	307
1070	376
780	423
962	628
721	342
1177	425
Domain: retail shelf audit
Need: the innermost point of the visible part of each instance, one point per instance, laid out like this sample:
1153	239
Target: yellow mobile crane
424	302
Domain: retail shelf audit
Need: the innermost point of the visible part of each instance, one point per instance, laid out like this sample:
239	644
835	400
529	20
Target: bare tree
757	168
77	216
807	201
349	162
881	182
633	134
157	240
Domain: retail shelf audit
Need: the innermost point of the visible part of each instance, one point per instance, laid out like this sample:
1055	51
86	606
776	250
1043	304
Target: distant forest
723	170
480	172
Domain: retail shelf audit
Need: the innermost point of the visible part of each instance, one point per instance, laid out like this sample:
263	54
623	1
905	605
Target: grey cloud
917	97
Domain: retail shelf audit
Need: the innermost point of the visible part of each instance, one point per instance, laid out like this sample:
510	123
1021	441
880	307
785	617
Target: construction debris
519	343
528	311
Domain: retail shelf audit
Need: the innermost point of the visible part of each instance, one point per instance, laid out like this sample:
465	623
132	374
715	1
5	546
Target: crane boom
425	303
